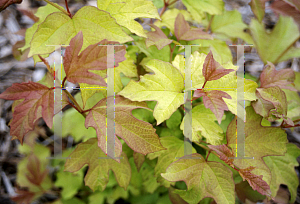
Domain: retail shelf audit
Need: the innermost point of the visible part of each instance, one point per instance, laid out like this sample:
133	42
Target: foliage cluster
149	87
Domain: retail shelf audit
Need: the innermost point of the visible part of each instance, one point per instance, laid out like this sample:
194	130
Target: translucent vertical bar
110	110
240	97
188	103
57	123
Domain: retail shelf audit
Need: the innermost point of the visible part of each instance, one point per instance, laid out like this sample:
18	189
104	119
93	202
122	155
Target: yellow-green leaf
59	28
125	11
203	179
165	87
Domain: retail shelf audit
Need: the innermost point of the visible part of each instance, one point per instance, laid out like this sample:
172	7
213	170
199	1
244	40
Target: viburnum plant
150	165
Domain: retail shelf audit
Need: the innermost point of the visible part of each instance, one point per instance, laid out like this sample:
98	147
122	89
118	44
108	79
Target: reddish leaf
24	197
138	160
255	181
139	135
39	102
224	152
18	55
284	8
212	70
29	14
94	57
261	106
271	77
5	3
157	38
277	97
183	31
35	175
214	101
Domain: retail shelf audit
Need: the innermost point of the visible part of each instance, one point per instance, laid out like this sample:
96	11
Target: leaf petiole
59	8
79	109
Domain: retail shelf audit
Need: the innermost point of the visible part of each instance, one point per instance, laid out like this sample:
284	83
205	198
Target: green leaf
152	52
73	124
219	48
165	87
59	28
204	123
42	13
97	197
125	11
198	7
197	173
293	99
175	149
244	191
69	182
97	176
258	8
260	141
281	50
229	21
283	170
41	153
175	120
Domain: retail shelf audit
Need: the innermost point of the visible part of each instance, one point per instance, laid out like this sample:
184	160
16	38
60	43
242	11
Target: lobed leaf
157	38
139	135
214	101
175	149
97	176
39	102
165	87
125	11
183	31
94	57
283	170
256	182
282	78
197	173
59	28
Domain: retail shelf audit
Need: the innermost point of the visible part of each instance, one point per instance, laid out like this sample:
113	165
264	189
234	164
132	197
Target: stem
209	24
71	104
295	121
290	126
169	4
171	52
56	6
66	1
75	102
204	84
63	82
278	58
164	8
207	155
204	147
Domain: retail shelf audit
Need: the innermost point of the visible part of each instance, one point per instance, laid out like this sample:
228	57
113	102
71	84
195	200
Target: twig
171	52
209	24
56	6
66	1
